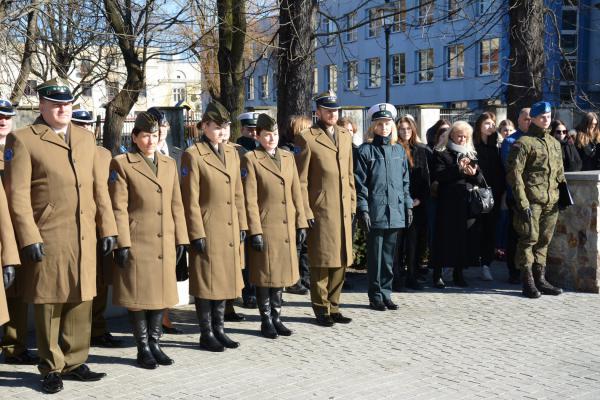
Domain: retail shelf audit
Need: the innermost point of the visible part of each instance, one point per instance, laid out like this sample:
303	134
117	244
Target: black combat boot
539	277
529	289
207	339
218	324
230	314
438	282
458	278
145	359
276	303
155	332
263	298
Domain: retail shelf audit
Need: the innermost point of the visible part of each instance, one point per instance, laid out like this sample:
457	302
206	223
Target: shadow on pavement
29	380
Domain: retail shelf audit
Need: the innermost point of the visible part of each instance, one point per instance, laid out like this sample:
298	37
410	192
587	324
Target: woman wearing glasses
571	159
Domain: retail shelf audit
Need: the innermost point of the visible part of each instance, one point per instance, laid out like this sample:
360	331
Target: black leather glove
8	275
34	252
121	256
179	251
409	217
108	244
242	236
199	245
527	214
365	221
311	222
300	236
257	242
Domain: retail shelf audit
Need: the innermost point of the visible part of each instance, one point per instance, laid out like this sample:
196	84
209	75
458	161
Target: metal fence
458	114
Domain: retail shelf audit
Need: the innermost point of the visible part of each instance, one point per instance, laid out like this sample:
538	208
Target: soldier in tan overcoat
324	160
14	340
49	181
146	199
216	219
9	256
276	223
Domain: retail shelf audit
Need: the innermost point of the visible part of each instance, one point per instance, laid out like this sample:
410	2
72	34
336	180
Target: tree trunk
28	51
295	60
232	37
527	56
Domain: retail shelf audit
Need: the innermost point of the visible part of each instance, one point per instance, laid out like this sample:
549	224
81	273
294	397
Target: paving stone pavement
484	342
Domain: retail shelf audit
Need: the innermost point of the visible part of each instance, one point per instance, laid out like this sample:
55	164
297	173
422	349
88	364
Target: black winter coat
571	159
490	164
589	157
419	173
453	242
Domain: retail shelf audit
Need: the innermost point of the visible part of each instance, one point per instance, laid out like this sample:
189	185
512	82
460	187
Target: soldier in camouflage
534	171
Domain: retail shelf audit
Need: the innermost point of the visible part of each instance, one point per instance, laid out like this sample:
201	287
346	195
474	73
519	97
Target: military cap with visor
266	123
541	107
145	122
159	116
6	108
55	90
82	116
327	100
217	113
248	119
382	111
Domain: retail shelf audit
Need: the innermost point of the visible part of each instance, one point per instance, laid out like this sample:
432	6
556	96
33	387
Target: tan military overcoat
214	207
275	210
327	180
51	196
8	250
151	222
104	264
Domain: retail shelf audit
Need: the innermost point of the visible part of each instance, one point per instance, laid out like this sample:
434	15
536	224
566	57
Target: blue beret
541	107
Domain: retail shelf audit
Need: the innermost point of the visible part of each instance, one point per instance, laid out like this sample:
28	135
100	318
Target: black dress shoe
234	317
338	318
25	358
325	320
377	305
172	330
297	288
52	383
84	374
390	305
106	340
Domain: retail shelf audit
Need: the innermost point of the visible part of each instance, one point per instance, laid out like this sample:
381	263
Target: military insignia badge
113	176
8	154
297	150
382	107
184	171
244	172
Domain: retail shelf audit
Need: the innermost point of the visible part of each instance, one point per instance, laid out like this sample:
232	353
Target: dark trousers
381	244
303	264
511	244
411	244
98	308
486	234
249	290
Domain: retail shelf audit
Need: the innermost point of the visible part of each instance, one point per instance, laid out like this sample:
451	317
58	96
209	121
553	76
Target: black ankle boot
438	282
458	278
218	325
155	318
144	359
276	303
539	277
529	288
267	329
207	339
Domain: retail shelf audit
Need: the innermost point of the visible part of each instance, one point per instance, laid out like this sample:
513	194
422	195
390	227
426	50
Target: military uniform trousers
14	341
381	248
534	236
62	332
325	289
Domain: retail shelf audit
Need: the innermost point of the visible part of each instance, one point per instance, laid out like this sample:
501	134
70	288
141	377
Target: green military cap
146	122
216	112
55	90
266	123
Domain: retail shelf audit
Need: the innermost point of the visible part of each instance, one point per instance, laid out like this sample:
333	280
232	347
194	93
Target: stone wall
574	256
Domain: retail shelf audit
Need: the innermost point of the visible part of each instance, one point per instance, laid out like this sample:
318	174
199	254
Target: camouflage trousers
535	235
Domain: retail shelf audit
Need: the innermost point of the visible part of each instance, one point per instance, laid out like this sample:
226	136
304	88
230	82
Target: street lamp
388	22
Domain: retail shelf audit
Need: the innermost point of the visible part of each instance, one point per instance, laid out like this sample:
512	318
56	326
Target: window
85	68
567	93
329	25
455	62
398	69
489	51
86	89
375	22
569	20
275	80
264	86
425	65
568	70
352	75
315	88
30	88
399	18
452	9
374	72
426	12
331	77
351	34
568	43
486	6
250	88
178	94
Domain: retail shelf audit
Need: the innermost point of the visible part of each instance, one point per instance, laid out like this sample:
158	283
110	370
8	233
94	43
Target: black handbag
565	199
481	200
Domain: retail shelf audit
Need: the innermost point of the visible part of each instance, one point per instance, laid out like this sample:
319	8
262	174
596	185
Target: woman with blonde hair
384	204
587	140
457	171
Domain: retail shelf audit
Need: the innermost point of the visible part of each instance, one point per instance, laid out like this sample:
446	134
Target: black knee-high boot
144	359
438	282
155	332
276	303
263	299
208	341
218	324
